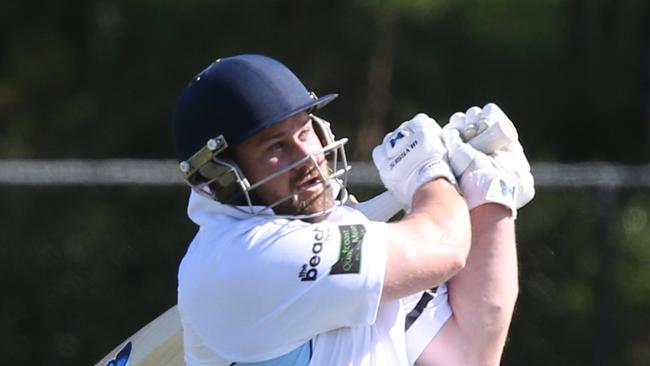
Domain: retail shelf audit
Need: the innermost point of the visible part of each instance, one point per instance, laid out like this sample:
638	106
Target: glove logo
505	190
402	155
393	140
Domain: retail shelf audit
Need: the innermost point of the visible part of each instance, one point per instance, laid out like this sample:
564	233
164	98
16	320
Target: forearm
438	207
484	293
430	244
438	203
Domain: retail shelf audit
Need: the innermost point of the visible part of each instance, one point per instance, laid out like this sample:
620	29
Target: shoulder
238	275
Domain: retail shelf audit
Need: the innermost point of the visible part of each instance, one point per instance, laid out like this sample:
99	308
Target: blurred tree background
83	267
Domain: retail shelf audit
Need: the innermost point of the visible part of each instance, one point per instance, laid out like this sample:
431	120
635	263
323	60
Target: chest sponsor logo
350	255
309	270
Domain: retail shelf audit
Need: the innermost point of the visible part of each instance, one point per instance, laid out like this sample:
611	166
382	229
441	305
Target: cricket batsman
286	269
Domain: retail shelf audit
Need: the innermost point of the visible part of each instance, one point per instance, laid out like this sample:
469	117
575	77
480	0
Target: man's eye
276	146
305	133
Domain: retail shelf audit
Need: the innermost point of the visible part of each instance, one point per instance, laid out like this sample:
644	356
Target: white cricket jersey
264	290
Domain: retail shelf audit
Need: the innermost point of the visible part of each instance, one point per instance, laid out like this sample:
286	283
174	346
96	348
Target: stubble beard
304	204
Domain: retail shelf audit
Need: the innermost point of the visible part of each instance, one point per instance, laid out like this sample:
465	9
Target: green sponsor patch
350	255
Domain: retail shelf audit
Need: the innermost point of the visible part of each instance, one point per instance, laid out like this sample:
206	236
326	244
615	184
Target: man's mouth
311	181
310	184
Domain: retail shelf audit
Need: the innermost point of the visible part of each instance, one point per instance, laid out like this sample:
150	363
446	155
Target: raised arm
431	243
484	293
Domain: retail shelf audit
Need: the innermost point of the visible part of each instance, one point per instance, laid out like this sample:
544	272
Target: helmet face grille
223	181
334	178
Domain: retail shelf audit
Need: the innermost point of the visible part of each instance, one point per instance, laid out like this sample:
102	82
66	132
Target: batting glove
495	169
410	156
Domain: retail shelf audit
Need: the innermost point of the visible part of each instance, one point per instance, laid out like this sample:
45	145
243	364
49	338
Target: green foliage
631	274
583	280
102	75
81	272
423	8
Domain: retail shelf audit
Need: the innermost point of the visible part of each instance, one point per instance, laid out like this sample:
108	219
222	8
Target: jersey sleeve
274	286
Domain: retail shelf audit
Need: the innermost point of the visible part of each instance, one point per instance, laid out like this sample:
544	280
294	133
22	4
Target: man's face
274	149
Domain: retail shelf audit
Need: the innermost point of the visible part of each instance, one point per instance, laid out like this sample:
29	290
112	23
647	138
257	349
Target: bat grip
497	135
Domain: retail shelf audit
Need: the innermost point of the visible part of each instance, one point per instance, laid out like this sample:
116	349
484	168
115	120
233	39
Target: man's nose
300	151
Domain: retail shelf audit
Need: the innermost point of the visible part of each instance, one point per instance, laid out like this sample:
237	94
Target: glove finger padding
460	154
410	156
492	112
457	121
472	116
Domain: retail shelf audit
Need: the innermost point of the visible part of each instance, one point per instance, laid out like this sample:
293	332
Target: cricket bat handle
492	135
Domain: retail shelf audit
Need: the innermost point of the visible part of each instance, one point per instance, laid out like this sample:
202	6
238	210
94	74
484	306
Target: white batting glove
410	156
500	173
